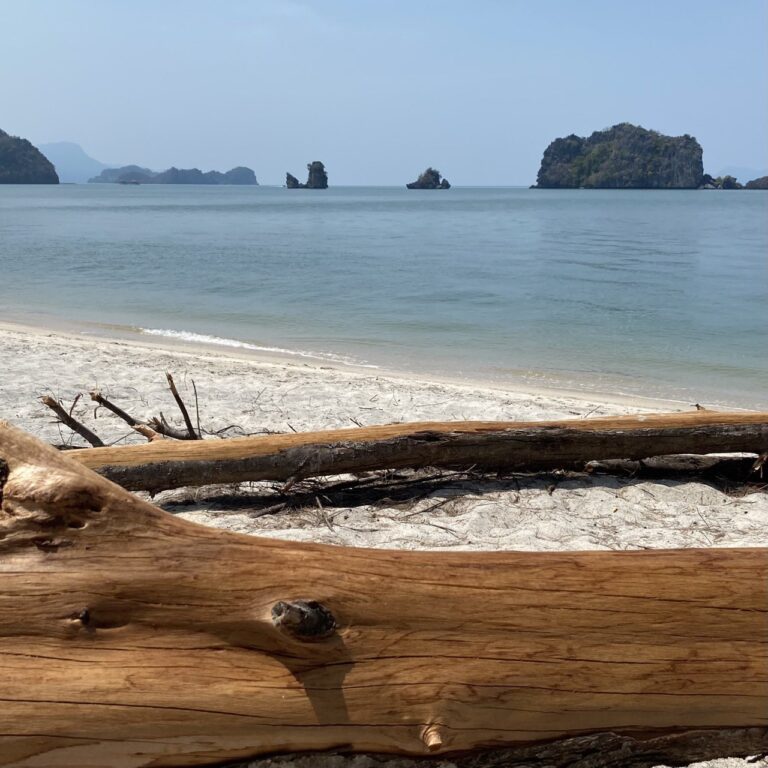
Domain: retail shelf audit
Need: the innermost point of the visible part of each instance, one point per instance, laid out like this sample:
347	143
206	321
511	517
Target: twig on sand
148	432
71	422
324	514
97	397
183	408
197	408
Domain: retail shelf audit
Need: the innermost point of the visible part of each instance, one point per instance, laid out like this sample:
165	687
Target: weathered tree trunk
600	750
130	638
523	446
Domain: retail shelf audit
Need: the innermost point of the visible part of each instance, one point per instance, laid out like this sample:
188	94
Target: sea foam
204	338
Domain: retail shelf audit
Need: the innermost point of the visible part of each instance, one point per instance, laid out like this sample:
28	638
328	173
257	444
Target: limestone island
761	183
721	182
23	163
317	178
135	174
625	156
430	179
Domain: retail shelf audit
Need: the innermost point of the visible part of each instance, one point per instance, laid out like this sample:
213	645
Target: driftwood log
494	445
131	638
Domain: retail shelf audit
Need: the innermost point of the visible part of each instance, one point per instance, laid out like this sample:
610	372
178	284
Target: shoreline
248	394
138	339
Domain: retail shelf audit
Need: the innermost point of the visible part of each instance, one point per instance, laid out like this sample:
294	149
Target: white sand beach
240	394
245	394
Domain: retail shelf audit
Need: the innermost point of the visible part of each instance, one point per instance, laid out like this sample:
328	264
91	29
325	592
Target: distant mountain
134	174
23	163
72	163
622	157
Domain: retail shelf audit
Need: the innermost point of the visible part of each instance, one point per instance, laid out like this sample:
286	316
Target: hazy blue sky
379	89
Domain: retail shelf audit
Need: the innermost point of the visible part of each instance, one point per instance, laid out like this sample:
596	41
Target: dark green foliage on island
134	174
721	182
622	157
240	175
113	175
430	179
23	163
317	178
761	183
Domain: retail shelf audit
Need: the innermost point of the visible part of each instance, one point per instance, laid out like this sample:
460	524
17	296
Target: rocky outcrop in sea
721	182
761	183
135	174
317	178
625	156
430	179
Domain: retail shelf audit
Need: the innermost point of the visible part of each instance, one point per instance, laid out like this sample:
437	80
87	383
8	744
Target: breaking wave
204	338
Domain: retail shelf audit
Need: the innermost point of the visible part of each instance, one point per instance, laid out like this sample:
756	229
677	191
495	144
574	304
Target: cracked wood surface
131	638
567	444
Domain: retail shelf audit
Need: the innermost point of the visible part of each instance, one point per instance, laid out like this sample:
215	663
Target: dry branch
71	422
156	428
191	434
131	638
97	397
497	446
160	425
146	431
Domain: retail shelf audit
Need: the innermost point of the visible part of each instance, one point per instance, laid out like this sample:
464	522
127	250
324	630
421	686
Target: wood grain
131	638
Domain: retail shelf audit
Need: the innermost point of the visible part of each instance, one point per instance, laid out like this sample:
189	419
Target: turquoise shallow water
642	292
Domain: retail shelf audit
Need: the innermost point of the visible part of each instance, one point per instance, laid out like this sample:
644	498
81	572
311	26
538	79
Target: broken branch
110	406
71	421
191	434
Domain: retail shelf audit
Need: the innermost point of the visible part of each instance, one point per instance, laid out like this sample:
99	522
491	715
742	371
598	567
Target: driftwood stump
130	638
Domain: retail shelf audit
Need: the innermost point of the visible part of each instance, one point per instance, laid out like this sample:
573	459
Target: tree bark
497	446
602	750
131	638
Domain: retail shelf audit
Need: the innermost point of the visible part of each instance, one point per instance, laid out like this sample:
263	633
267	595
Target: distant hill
124	173
73	165
622	157
23	163
761	183
134	174
743	172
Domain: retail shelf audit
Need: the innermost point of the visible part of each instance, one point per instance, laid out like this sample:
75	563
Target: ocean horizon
635	292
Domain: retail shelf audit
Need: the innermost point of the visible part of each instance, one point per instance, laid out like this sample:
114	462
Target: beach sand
242	394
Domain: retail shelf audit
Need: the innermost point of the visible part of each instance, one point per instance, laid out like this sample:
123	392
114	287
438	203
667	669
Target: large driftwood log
130	638
521	446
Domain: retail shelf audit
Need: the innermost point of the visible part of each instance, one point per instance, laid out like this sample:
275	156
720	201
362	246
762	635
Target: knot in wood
304	619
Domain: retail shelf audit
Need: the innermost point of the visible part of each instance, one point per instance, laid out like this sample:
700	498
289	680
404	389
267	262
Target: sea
632	292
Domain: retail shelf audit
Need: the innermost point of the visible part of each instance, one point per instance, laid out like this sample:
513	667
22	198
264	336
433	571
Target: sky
380	89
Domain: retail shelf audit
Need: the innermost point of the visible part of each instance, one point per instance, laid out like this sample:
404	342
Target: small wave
204	338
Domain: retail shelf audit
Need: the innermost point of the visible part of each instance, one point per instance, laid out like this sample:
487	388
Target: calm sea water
659	293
